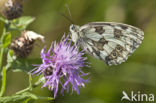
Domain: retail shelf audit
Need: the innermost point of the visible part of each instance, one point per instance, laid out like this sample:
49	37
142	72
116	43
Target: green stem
26	89
1	57
3	82
29	88
22	91
2	49
5	29
3	86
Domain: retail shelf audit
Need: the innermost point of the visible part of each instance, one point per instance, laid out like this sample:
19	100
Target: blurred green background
106	84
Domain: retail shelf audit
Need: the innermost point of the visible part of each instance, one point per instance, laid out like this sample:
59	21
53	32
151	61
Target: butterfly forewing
110	42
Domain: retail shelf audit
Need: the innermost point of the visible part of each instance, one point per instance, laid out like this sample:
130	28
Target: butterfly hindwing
110	42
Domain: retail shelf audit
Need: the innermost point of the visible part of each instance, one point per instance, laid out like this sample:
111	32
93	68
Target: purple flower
62	64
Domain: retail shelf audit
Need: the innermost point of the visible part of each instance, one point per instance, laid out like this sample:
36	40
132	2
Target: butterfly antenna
68	18
69	11
62	14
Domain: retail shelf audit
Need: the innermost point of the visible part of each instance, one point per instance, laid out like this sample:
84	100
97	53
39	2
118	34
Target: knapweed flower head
23	45
11	9
62	65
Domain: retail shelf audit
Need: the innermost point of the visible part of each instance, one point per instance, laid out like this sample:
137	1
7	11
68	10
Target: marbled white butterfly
108	41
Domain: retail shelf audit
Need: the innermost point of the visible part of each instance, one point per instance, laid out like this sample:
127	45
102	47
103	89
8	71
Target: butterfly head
74	32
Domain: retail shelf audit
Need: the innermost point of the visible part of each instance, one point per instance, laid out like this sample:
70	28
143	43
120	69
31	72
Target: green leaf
15	98
26	95
30	81
45	98
24	21
21	23
3	81
2	19
10	59
7	40
24	64
10	56
27	100
0	44
40	80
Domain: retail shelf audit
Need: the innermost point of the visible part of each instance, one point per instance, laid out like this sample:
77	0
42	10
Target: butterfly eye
73	27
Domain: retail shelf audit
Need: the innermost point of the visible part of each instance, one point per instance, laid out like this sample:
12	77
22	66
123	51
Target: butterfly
108	41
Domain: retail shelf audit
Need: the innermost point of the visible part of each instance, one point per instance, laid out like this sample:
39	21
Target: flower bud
23	45
11	9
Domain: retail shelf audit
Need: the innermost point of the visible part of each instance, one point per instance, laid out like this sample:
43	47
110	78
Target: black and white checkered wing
111	42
